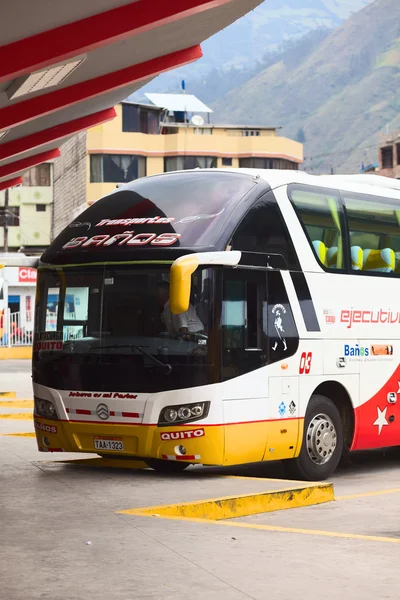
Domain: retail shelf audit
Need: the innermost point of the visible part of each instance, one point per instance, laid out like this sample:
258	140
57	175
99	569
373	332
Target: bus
223	317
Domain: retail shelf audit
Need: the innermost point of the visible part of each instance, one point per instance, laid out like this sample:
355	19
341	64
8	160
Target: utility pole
6	198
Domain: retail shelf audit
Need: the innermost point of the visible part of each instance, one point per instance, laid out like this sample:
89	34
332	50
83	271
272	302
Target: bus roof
367	184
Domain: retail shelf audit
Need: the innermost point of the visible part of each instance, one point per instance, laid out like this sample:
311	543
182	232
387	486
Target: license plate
113	444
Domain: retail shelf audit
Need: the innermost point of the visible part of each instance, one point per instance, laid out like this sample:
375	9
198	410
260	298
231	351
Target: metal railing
12	332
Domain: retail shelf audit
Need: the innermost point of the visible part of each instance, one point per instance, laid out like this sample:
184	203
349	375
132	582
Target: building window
255	163
9	216
40	208
267	163
38	176
202	131
139	119
250	132
387	157
226	162
116	168
178	163
398	153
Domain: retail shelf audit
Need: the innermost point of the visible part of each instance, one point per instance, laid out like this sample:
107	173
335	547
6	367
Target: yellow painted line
229	507
106	463
367	494
17	416
30	435
8	394
273	528
17	403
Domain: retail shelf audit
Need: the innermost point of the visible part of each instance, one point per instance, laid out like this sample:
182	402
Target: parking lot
70	528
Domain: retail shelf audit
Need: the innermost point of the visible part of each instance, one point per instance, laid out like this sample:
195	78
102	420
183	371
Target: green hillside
341	95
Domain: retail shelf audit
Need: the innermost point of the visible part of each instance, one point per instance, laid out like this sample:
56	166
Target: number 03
305	363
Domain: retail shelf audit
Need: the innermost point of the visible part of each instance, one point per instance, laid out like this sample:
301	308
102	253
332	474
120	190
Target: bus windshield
111	328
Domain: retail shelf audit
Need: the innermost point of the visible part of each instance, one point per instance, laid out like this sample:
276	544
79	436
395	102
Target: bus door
283	381
244	357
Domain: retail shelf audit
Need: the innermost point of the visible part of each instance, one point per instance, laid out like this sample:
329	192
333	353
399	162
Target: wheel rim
321	439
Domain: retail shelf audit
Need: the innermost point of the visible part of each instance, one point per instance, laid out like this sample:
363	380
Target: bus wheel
166	466
322	444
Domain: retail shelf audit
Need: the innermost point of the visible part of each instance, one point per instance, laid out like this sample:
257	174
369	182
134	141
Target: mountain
337	98
244	43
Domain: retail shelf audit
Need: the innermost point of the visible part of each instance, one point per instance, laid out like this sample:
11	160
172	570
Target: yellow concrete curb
8	394
231	507
17	352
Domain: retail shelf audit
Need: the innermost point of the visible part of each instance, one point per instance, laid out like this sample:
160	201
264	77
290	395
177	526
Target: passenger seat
331	257
382	261
321	251
357	257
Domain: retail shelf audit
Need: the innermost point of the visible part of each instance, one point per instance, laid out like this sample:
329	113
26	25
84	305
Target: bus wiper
165	367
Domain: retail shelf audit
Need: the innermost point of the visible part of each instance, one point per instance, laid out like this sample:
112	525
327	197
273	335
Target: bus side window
374	232
263	230
283	338
320	214
243	323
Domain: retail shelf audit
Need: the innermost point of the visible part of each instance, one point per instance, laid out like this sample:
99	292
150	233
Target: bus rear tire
322	444
166	466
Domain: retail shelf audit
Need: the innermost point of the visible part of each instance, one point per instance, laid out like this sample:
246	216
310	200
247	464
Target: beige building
147	139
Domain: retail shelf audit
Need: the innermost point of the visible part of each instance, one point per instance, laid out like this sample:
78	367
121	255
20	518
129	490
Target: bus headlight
45	408
183	413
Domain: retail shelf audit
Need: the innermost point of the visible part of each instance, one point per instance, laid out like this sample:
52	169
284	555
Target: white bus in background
295	282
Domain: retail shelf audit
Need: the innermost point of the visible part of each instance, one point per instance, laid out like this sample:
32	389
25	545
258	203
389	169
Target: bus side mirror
180	283
184	267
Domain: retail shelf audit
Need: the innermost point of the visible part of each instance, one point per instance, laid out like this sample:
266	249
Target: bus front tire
322	444
166	466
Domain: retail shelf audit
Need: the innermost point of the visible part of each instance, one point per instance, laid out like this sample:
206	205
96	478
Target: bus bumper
192	444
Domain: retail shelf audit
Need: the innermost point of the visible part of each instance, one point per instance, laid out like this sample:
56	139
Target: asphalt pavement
70	529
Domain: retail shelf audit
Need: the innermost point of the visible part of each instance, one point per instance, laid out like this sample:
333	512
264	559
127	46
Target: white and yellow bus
222	317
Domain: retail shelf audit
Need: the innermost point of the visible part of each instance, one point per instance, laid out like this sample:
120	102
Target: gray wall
69	183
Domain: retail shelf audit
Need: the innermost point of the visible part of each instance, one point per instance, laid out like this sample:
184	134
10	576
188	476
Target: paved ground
50	511
15	376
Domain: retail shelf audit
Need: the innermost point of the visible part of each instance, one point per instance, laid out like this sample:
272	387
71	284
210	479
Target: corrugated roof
179	102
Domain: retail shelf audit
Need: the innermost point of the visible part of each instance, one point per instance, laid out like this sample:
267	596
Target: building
389	156
173	132
27	215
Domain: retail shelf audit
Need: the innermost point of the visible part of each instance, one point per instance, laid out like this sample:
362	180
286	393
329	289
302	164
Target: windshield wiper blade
165	367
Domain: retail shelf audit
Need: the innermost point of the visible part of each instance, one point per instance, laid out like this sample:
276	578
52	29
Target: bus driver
187	322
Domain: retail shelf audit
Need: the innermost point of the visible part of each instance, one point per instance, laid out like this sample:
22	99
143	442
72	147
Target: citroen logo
103	412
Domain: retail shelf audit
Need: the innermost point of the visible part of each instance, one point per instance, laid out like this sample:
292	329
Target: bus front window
116	327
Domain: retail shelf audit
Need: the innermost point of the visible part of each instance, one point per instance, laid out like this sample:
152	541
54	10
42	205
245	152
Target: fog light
46	441
184	413
171	415
182	450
